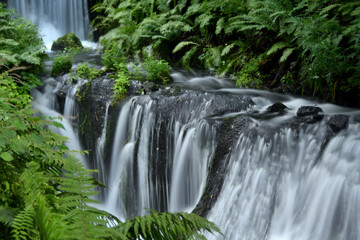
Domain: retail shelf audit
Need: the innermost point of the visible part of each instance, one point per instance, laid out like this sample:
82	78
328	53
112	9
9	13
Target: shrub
112	56
121	82
158	71
62	64
86	72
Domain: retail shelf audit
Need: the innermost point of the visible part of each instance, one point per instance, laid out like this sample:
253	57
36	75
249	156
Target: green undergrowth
314	42
114	60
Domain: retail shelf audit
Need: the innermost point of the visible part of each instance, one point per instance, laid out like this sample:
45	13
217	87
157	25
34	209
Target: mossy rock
68	41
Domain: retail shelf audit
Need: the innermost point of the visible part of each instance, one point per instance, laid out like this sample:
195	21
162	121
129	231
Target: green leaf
328	8
7	156
57	124
19	125
286	54
181	45
220	25
276	47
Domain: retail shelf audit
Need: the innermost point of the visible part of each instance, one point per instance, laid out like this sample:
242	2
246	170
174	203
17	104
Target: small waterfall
56	17
157	163
277	189
99	153
190	163
45	102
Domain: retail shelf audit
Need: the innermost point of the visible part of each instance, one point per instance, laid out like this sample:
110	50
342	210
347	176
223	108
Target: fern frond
181	45
287	52
227	49
192	10
220	25
167	226
9	42
203	20
186	59
23	224
329	8
7	215
7	56
276	47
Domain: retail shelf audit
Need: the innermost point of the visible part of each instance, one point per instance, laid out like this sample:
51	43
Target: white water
55	18
45	102
134	183
275	190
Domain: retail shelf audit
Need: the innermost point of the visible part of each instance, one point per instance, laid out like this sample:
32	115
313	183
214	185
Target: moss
68	41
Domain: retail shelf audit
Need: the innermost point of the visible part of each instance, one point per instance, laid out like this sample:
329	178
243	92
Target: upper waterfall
56	18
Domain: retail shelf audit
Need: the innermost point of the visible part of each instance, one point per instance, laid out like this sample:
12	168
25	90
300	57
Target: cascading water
283	180
56	17
282	185
45	102
158	161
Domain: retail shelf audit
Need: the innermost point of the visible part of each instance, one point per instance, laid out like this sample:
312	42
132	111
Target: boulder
338	122
310	114
68	41
277	107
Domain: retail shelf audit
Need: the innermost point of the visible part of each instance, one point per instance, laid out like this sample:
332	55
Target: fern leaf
287	52
192	10
9	42
7	57
7	215
227	49
329	8
220	25
203	20
181	45
276	47
188	55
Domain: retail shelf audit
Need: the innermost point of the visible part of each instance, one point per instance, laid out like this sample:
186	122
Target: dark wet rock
310	114
334	125
228	132
199	105
308	110
278	107
135	88
68	41
338	123
149	87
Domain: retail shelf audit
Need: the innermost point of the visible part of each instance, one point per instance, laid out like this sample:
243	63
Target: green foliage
44	190
157	71
316	40
112	56
86	72
167	226
62	64
20	41
121	82
250	75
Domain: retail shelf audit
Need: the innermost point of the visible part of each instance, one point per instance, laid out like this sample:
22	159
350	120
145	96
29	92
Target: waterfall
45	102
283	186
283	178
157	164
56	17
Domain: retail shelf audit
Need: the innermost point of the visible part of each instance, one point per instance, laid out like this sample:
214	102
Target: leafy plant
157	71
20	41
86	72
112	56
167	226
121	82
62	64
